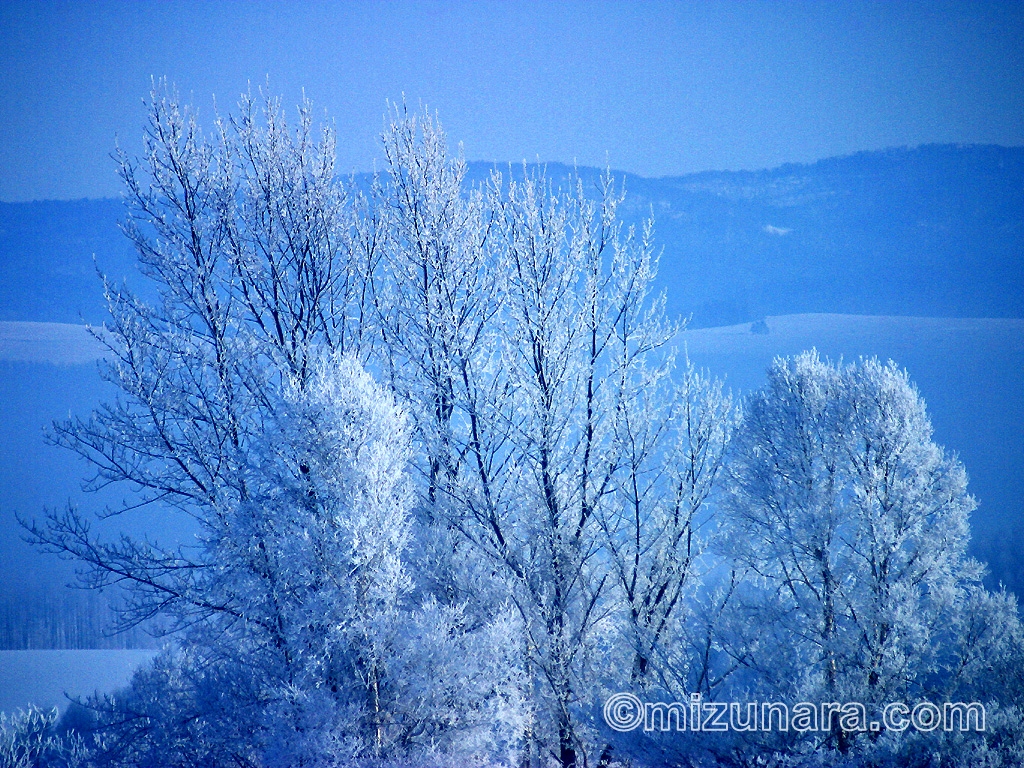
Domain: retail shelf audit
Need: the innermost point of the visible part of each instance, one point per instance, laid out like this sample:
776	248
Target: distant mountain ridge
933	231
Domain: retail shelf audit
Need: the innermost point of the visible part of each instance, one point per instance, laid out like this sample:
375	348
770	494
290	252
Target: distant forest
64	620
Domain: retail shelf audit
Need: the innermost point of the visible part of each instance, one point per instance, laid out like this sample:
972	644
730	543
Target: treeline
65	620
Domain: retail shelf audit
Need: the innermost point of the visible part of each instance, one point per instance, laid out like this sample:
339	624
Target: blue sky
653	88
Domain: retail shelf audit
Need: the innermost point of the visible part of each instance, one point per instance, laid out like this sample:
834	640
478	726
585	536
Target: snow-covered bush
29	739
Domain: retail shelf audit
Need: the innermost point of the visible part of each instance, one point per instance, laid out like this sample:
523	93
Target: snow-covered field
920	344
44	677
60	343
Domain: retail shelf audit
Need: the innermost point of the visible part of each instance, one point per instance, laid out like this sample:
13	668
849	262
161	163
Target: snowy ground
59	343
44	677
923	345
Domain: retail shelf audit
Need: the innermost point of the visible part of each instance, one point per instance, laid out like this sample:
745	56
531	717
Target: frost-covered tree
854	526
435	296
315	669
520	328
658	526
244	407
577	332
